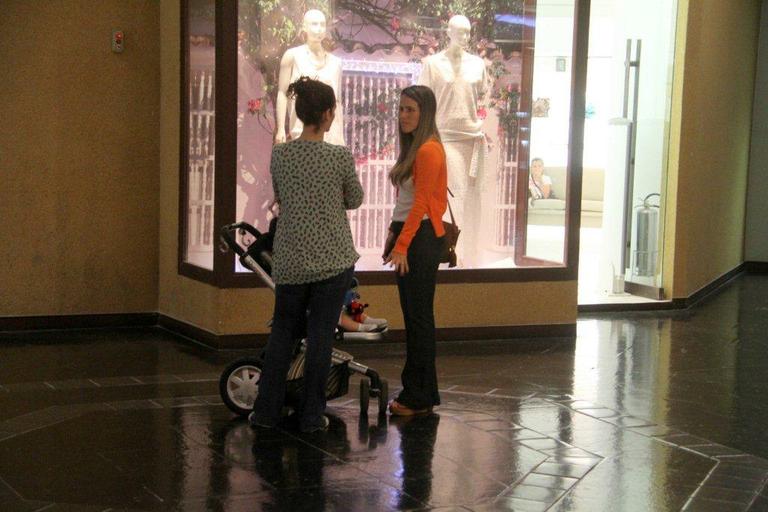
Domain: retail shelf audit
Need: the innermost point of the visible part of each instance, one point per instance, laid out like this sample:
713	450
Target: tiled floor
645	412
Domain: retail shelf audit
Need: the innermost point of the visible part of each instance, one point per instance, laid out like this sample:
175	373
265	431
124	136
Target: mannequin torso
459	82
325	68
313	61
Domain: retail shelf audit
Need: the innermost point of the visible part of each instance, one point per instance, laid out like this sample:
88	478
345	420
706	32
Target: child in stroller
353	321
239	382
353	317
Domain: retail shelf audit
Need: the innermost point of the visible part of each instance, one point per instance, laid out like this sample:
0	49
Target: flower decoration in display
377	120
255	106
505	101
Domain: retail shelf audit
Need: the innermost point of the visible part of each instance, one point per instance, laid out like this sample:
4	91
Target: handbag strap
450	210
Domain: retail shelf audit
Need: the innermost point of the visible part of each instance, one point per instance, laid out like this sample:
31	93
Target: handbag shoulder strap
450	210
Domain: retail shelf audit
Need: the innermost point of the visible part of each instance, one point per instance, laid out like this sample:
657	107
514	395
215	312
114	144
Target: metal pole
630	169
627	60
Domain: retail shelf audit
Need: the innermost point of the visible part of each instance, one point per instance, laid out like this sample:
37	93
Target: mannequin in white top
312	60
460	83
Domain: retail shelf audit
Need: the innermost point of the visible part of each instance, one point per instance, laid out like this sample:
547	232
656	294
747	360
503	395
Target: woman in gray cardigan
314	256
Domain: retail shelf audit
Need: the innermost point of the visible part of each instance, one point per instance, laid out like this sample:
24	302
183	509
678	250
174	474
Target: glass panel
255	119
629	86
652	25
547	161
202	88
369	53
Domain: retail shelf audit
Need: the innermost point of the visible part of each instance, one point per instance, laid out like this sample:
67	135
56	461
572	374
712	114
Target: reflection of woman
421	177
539	184
287	466
311	60
417	444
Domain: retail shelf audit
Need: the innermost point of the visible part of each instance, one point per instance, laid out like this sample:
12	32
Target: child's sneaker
381	323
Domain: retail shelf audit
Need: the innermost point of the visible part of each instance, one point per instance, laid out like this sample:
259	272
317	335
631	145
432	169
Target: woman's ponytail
313	98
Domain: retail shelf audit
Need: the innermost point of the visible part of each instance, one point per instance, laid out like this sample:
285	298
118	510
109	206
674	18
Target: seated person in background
352	318
539	184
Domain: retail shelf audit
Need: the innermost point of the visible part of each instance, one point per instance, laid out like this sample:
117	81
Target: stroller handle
227	238
228	241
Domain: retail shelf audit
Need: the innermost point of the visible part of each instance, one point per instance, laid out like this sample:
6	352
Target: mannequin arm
281	104
486	84
339	107
424	77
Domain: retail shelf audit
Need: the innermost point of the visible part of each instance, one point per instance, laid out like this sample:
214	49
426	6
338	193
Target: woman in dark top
314	256
415	243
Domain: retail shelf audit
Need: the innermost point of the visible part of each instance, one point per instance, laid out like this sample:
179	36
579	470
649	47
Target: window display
477	57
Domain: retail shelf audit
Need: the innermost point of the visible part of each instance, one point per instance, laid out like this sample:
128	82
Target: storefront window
201	132
550	110
502	72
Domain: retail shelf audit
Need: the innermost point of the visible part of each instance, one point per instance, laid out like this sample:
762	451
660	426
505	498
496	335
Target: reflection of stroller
239	382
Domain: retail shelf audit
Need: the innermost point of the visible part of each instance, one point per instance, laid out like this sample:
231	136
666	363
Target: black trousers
315	306
417	300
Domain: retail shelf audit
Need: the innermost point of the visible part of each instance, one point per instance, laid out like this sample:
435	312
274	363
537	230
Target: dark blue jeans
417	298
317	306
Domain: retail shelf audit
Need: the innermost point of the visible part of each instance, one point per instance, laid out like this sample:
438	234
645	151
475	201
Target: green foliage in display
480	14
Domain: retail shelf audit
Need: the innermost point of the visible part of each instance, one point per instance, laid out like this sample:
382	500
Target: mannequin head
458	31
314	26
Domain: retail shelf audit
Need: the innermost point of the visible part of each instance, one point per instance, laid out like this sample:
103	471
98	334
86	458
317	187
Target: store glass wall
503	102
629	97
201	71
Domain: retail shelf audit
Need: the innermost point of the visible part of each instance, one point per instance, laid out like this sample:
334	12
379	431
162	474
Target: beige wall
90	222
78	157
712	111
456	305
756	243
178	297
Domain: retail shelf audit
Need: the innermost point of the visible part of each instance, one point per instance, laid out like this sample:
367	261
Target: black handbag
450	238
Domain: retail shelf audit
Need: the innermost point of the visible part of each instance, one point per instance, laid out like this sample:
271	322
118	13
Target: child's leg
378	322
348	324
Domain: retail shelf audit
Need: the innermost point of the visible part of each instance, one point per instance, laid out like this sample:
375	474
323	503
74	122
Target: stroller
239	382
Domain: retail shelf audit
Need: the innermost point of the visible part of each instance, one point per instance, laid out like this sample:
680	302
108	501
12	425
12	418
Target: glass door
629	86
544	179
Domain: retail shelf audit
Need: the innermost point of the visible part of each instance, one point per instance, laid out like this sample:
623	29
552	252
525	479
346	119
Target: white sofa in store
551	212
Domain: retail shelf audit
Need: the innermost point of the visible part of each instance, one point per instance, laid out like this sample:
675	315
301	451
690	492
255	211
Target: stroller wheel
239	384
365	393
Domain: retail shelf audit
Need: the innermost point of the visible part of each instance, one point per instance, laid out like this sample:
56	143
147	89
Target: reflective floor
646	412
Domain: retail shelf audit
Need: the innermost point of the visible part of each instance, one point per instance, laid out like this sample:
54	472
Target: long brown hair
411	142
